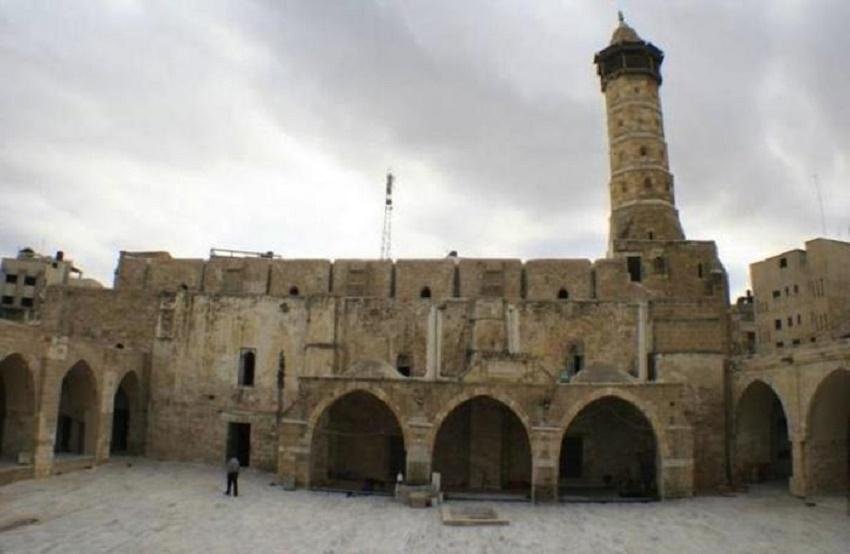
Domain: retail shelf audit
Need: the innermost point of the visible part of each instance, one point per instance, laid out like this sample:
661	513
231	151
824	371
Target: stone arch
469	395
761	435
127	435
787	406
78	411
17	408
357	441
828	434
481	442
632	468
645	408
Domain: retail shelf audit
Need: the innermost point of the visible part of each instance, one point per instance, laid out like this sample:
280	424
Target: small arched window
699	270
247	361
563	294
402	365
425	292
643	151
650	235
647	183
293	291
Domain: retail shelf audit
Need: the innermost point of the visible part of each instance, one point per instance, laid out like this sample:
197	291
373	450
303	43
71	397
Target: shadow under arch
480	443
127	436
612	446
761	438
357	443
17	409
828	435
77	415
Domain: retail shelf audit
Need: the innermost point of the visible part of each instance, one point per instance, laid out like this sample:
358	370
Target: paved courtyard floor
137	505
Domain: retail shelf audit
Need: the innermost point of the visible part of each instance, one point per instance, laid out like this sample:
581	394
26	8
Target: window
26	302
650	235
783	262
425	292
647	183
780	344
799	320
790	322
796	289
281	371
786	291
563	294
402	365
11	278
8	300
643	151
659	265
247	360
795	342
29	280
576	361
699	270
776	294
777	324
633	265
293	291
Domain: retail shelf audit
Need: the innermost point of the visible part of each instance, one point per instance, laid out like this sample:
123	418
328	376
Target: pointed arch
611	446
17	408
481	442
828	434
761	437
357	441
78	413
127	436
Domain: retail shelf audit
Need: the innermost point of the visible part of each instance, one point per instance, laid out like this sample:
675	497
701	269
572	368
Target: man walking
233	476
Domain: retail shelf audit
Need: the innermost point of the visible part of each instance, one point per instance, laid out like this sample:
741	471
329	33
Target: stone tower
642	199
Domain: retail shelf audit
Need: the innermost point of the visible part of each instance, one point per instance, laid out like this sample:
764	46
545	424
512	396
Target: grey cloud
268	125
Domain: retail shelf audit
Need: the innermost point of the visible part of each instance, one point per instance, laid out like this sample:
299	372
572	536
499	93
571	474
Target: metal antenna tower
386	235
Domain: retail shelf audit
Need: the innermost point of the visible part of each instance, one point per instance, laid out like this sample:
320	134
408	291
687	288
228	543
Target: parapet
362	278
558	279
425	278
657	269
300	277
490	278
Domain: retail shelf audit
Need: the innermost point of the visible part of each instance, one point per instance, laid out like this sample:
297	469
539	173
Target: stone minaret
642	199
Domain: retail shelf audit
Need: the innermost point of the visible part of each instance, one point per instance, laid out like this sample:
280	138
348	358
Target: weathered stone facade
542	378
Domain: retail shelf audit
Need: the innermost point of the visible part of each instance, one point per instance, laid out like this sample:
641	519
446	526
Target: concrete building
541	379
25	278
802	296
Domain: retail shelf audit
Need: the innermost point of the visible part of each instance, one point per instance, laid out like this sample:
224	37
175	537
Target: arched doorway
126	417
16	409
76	420
828	443
357	445
762	445
482	447
609	450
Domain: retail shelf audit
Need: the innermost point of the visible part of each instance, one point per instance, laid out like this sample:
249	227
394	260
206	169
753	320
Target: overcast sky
269	125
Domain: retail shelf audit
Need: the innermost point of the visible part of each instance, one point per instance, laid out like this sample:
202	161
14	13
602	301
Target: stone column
103	419
47	407
433	350
643	335
544	463
293	457
798	483
418	462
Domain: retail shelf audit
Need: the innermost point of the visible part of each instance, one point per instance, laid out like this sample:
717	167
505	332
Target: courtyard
139	505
